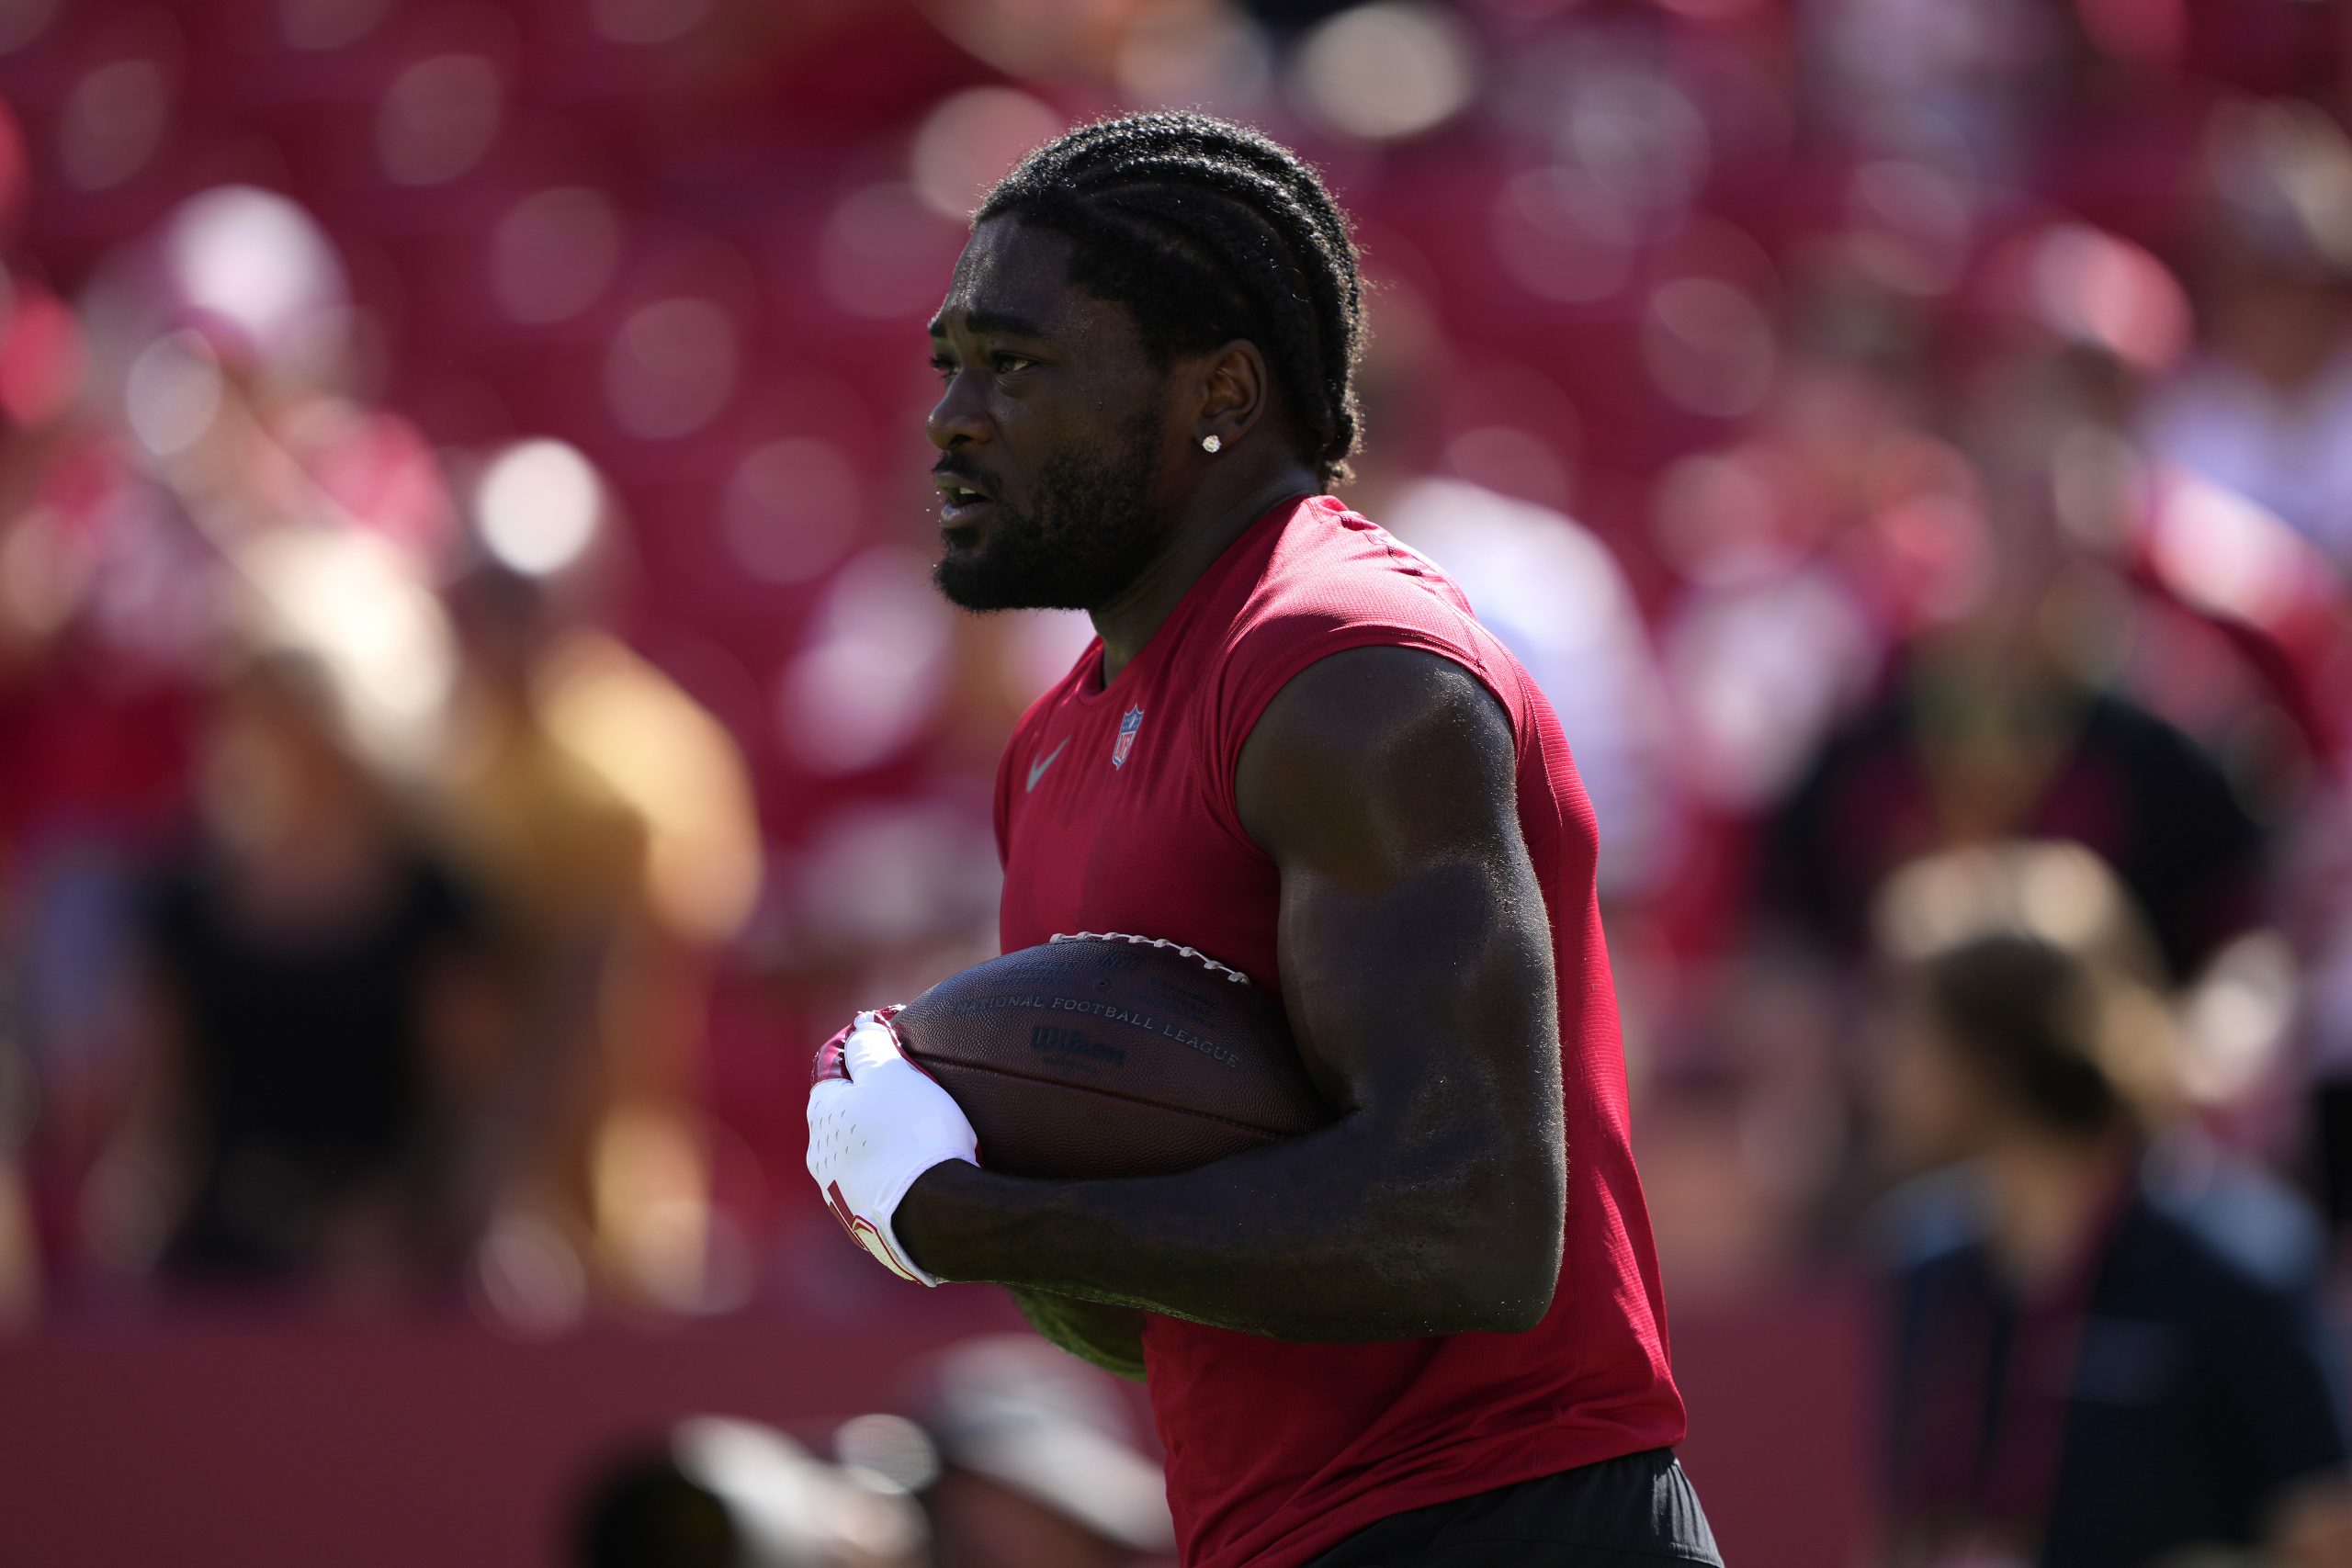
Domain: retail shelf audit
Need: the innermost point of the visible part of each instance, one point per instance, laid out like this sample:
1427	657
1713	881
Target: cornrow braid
1204	232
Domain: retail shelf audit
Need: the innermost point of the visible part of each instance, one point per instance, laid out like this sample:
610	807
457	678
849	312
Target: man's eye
944	368
1006	364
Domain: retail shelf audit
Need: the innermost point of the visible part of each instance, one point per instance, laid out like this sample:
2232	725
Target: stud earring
1211	445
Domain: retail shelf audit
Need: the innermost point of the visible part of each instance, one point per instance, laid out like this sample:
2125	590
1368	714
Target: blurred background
473	715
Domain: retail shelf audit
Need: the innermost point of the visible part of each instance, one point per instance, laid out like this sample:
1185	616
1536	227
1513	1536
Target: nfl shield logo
1129	722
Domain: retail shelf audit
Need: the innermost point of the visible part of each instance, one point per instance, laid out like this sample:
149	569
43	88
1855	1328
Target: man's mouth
961	503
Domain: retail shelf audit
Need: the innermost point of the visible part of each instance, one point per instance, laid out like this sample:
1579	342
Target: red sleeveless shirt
1114	812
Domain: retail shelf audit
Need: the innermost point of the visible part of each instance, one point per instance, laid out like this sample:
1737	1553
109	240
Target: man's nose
956	419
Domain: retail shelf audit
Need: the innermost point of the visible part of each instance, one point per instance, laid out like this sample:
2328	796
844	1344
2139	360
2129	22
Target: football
1099	1055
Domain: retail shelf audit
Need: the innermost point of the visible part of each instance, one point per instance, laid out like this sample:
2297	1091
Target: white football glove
876	1121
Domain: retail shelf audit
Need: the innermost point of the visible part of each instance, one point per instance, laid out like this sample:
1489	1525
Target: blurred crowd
1011	1455
472	709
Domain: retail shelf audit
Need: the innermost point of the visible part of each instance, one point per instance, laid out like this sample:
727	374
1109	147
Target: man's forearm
1323	1238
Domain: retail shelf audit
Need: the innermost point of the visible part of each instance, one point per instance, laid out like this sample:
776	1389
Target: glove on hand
876	1121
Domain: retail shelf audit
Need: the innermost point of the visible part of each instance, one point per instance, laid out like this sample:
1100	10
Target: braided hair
1205	231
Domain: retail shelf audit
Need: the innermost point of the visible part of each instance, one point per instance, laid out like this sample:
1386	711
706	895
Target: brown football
1111	1056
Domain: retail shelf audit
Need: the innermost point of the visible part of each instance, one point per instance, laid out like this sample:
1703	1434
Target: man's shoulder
1329	579
1326	556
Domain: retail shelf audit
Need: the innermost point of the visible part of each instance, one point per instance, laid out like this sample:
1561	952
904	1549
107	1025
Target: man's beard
1090	536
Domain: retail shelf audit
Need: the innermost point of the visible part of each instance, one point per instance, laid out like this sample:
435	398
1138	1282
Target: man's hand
876	1122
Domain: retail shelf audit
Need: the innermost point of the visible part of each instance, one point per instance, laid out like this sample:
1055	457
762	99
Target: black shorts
1634	1512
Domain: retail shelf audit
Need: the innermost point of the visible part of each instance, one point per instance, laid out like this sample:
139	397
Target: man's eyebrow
1002	321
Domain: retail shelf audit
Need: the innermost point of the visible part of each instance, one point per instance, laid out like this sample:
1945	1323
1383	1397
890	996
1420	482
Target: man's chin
1003	560
971	578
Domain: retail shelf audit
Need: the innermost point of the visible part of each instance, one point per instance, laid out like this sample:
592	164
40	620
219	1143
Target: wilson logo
1048	1040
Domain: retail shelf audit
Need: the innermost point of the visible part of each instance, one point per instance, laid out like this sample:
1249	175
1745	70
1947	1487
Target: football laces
1194	954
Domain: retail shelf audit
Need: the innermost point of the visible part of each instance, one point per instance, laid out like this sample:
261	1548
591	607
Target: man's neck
2047	1193
1215	518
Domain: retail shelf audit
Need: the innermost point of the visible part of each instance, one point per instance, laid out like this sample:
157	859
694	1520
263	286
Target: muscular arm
1417	967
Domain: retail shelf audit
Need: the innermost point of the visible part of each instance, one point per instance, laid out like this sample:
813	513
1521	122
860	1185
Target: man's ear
1235	390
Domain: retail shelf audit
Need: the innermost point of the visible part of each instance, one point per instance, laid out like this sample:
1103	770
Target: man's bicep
1441	984
1373	762
1413	933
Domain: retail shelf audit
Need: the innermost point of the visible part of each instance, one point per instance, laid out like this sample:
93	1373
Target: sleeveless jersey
1114	812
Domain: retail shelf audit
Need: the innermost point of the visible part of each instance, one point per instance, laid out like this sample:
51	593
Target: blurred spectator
1965	619
1030	1463
98	708
2004	719
608	817
318	993
2109	1348
2266	410
561	855
729	1493
1778	632
214	476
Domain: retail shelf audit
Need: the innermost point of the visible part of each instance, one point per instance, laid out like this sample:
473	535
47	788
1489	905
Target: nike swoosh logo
1037	769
